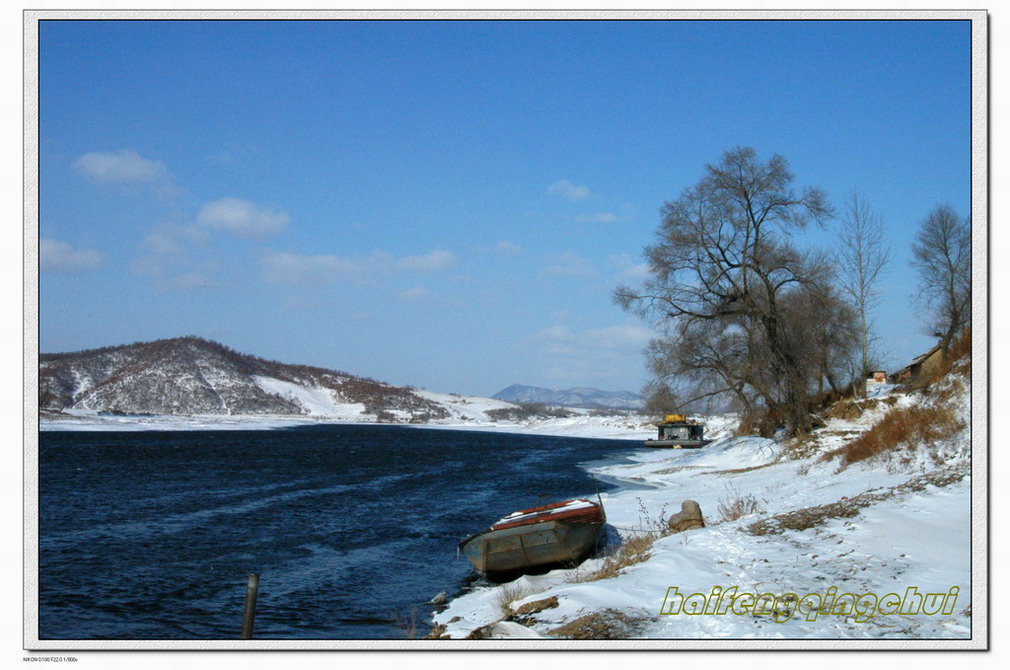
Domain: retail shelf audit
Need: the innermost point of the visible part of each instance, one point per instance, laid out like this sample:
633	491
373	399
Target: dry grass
509	594
633	550
608	624
809	517
907	427
437	632
410	624
736	506
737	471
537	606
679	468
761	422
958	358
961	346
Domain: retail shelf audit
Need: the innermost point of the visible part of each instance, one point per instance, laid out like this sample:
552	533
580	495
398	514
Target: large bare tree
942	255
721	272
861	257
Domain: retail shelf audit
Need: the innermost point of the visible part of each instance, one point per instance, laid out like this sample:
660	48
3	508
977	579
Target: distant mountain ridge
586	398
190	375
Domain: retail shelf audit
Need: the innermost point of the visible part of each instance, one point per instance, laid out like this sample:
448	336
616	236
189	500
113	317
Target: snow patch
314	400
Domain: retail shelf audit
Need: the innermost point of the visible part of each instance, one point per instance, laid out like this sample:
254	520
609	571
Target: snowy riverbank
465	413
894	525
781	518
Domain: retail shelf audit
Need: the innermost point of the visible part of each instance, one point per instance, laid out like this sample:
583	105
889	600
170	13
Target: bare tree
942	255
861	257
824	331
721	269
705	360
660	398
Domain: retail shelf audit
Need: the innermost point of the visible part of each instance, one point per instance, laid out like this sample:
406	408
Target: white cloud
56	256
191	281
242	218
162	243
167	246
563	341
568	190
281	267
626	268
416	294
287	268
122	167
599	217
172	239
600	353
436	260
569	264
149	265
507	247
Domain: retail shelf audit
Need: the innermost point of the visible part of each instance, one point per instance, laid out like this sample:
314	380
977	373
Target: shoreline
610	427
774	522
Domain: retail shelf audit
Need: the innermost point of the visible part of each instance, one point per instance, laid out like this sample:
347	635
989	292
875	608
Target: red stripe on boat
589	512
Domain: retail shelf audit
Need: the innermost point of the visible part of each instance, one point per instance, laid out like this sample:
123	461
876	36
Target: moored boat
678	432
532	539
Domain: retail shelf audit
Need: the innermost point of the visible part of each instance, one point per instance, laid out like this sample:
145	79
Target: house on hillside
874	381
926	363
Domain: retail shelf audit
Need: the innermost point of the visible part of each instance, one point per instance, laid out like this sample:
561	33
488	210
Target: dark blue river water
150	535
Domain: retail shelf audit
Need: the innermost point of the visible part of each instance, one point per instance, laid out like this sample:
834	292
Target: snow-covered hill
191	383
191	376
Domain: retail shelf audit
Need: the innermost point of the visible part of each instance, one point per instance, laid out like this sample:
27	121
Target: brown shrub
901	427
761	422
736	506
437	632
960	347
508	594
537	606
826	399
633	550
608	624
809	517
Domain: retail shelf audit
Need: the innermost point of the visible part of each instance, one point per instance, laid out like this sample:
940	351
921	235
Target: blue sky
451	204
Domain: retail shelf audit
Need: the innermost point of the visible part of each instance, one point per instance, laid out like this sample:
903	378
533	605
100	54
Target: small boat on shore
676	431
537	538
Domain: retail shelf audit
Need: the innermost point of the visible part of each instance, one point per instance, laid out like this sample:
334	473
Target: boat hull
677	444
536	539
527	547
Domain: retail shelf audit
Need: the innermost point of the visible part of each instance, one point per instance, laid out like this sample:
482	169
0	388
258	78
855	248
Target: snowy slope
877	527
316	401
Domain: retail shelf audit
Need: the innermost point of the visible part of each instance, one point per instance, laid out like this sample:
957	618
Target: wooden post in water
252	587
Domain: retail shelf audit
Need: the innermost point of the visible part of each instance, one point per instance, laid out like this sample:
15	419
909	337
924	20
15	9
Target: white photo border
980	532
